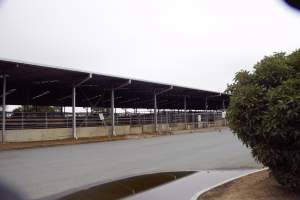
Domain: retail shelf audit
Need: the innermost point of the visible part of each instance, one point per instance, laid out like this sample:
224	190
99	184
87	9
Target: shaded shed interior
32	84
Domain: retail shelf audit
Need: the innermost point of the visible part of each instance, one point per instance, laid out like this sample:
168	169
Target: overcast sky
196	43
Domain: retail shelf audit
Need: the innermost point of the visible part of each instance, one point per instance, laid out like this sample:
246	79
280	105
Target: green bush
264	113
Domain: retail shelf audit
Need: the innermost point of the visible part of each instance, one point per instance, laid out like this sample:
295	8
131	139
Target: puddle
126	187
189	186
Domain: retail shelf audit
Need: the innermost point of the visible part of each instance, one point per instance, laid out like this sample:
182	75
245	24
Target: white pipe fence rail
44	120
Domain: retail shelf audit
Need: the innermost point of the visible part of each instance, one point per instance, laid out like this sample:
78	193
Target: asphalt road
43	172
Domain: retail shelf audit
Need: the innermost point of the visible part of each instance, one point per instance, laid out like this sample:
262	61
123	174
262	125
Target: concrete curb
197	195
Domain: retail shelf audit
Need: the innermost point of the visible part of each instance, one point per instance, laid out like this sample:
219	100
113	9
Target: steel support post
193	119
155	105
22	120
3	108
46	120
73	112
139	118
161	118
112	112
206	115
155	113
184	107
113	109
167	121
74	103
130	120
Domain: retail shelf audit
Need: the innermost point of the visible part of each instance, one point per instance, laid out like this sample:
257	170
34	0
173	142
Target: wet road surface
44	172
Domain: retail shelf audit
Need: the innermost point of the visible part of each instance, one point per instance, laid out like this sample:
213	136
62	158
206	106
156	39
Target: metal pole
74	103
67	122
184	107
139	116
167	121
86	116
112	112
155	113
73	112
22	120
206	113
193	120
161	119
3	107
46	121
130	120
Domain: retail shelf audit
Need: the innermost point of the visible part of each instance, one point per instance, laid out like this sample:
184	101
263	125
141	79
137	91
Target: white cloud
186	42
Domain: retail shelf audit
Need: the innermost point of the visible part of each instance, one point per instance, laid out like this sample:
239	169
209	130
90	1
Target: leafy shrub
264	113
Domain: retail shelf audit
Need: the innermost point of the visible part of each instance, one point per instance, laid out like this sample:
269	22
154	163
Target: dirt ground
260	186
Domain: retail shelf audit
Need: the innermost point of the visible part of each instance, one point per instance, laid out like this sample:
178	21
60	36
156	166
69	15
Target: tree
30	108
264	113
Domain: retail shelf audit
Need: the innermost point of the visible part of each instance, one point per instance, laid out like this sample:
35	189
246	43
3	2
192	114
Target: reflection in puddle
189	186
126	187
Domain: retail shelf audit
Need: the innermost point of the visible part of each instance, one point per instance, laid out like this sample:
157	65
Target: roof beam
91	98
65	97
83	81
129	100
9	92
123	85
41	94
164	91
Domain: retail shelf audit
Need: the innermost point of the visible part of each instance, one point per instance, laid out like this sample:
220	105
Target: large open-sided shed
35	84
31	84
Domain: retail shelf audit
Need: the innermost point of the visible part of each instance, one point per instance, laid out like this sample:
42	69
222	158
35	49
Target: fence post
130	120
139	119
67	122
193	119
85	120
214	118
167	118
46	120
22	120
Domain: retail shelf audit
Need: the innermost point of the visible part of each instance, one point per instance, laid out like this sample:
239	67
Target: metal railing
39	120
